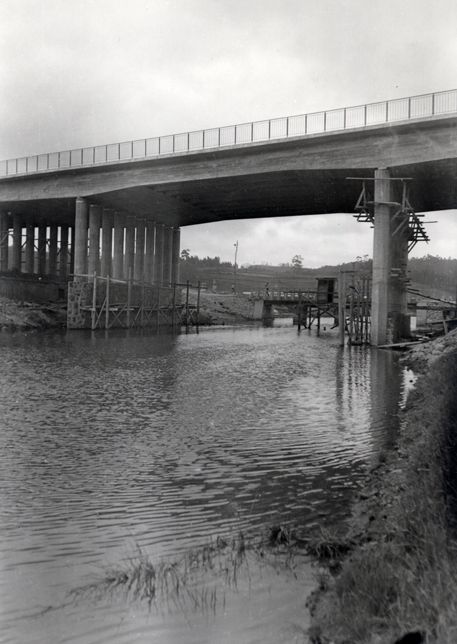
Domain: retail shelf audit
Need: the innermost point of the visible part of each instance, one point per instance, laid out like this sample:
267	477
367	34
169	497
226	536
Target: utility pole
234	267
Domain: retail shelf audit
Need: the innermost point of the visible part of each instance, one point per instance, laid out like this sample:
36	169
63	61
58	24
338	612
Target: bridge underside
124	217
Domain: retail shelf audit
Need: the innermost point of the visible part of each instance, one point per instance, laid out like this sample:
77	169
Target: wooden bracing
404	215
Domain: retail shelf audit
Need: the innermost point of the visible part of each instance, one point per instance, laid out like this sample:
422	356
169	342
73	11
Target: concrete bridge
388	160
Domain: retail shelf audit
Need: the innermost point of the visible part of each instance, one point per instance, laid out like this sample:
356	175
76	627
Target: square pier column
95	224
158	256
42	249
390	257
107	241
129	258
118	259
63	252
149	253
80	239
167	255
176	255
29	247
4	233
53	249
139	250
17	243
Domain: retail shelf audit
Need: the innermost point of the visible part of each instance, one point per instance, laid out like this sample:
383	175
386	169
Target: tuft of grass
198	579
407	580
187	582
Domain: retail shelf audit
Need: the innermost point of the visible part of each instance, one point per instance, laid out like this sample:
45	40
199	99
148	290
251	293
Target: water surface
116	440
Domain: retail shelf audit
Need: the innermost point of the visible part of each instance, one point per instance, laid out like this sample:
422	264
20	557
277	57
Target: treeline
431	272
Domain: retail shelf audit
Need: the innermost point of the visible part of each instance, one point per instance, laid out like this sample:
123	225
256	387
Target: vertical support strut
80	239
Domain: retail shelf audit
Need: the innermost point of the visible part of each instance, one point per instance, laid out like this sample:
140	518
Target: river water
120	441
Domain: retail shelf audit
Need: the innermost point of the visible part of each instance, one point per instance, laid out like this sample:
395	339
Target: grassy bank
401	577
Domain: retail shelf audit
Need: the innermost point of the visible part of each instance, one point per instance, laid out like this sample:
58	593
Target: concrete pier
129	257
158	256
95	223
107	241
29	246
52	268
4	234
139	250
389	320
118	258
63	254
176	255
80	249
42	246
167	255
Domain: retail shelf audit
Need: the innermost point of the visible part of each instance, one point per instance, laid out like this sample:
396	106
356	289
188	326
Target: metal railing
271	130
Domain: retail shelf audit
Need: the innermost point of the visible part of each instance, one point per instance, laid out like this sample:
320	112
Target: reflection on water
113	440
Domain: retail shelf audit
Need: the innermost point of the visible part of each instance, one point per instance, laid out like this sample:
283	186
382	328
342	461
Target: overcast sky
77	73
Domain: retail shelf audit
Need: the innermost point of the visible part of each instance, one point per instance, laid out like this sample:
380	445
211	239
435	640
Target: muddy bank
219	308
25	316
400	576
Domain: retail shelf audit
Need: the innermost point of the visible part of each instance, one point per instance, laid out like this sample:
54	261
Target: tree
185	254
297	261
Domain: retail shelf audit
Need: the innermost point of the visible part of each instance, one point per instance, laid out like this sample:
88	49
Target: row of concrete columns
125	247
44	253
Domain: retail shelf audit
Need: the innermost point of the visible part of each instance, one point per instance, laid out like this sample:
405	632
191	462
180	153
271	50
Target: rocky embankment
25	316
398	582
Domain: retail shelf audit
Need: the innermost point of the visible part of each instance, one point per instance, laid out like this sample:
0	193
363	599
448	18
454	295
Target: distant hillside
433	276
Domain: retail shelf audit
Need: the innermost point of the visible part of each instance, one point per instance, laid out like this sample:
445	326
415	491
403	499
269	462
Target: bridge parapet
402	109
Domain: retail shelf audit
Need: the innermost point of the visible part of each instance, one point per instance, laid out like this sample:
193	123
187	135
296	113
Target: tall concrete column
381	257
167	255
129	257
17	243
52	249
42	249
4	241
158	255
107	241
149	253
71	248
29	247
80	239
118	259
139	249
176	255
95	223
63	253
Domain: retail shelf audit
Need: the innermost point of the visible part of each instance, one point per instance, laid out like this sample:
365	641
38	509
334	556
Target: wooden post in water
198	305
94	302
158	308
341	309
187	305
107	303
174	305
299	312
351	313
129	296
142	301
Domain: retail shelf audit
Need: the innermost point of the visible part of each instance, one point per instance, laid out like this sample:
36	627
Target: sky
78	73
